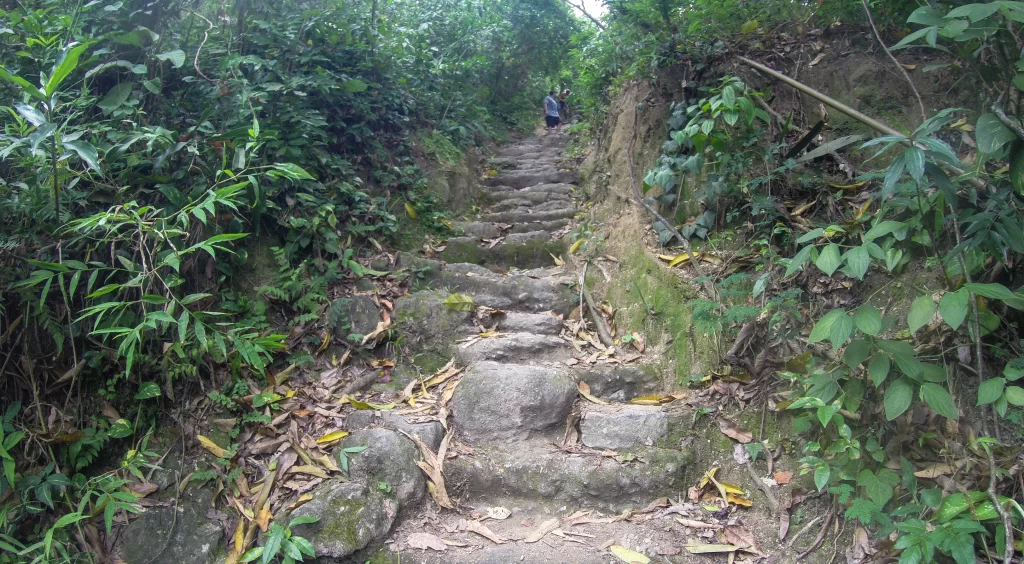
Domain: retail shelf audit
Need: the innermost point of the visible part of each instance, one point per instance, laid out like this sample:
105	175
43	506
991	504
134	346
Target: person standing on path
551	118
563	107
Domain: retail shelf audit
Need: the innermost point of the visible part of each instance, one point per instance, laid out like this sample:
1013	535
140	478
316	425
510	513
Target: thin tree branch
878	36
585	13
1007	121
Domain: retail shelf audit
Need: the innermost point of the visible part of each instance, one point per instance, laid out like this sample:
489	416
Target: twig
206	35
602	332
878	36
1008	549
639	198
806	528
821	535
764	488
1009	123
585	13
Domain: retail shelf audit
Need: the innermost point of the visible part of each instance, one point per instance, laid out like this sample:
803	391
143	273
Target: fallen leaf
382	327
740	536
309	469
584	390
213	447
575	246
142	489
423	541
782	478
697	524
816	59
558	261
331	437
480	529
459	302
263	517
498	513
303	499
935	470
629	556
738	500
545	528
711	548
734	431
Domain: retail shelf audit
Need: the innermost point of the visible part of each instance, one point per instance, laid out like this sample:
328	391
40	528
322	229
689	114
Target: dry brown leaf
142	489
740	536
816	59
432	466
309	469
498	513
783	478
480	529
545	528
263	518
701	548
584	390
734	431
934	470
697	524
424	541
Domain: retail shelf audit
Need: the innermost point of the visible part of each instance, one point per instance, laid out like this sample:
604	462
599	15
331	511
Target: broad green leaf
856	352
354	85
1014	370
31	114
120	429
878	368
992	135
821	475
841	331
879	491
997	292
67	64
823	328
1015	395
868	319
990	390
922	309
811	235
459	302
252	554
914	158
148	390
176	57
884	228
291	171
24	84
115	97
828	261
898	397
939	399
953	307
796	264
86	152
857	260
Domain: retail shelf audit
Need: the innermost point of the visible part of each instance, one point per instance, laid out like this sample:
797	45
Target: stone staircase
518	398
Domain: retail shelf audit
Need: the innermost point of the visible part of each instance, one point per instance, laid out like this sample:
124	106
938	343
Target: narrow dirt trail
525	440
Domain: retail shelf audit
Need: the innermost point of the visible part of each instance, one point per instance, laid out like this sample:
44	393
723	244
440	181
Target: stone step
494	192
503	402
490	230
523	216
515	348
622	426
513	292
520	250
621	382
550	476
524	160
538	323
524	179
546	202
529	195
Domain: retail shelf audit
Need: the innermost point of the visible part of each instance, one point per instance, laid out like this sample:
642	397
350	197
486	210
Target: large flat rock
622	426
514	348
497	401
351	515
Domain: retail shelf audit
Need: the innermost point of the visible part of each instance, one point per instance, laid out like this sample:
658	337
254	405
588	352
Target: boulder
389	461
351	515
360	315
156	536
510	401
430	432
622	426
621	382
428	325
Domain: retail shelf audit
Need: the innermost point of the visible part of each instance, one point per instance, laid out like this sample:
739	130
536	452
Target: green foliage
281	544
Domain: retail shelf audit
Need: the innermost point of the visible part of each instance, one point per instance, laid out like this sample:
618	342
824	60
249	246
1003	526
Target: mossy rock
529	254
351	515
158	536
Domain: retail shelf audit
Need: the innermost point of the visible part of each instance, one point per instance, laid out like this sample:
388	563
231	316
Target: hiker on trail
551	111
563	107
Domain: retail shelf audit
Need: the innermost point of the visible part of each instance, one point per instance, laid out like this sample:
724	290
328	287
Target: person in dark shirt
551	118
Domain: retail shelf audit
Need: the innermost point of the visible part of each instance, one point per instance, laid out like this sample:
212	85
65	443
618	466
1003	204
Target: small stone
351	515
625	426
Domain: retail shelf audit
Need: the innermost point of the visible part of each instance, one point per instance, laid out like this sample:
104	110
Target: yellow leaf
737	500
410	210
367	405
263	517
303	499
239	536
308	469
629	556
584	390
667	258
332	437
711	548
729	488
326	342
575	246
213	447
708	476
327	462
749	27
558	261
847	186
681	258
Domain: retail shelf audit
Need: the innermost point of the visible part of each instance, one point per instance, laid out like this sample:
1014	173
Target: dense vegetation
145	143
730	171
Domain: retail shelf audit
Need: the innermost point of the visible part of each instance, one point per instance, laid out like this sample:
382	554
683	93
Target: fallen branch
1009	123
764	488
602	332
866	120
